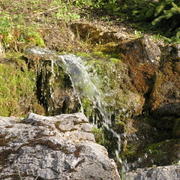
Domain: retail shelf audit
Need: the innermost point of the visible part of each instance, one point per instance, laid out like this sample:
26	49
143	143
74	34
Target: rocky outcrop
165	96
138	84
159	173
60	147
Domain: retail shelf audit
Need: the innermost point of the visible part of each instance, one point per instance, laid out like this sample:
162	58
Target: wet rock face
165	173
54	90
60	147
54	87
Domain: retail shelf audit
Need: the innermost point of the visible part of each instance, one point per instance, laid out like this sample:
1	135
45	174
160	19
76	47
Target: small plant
99	135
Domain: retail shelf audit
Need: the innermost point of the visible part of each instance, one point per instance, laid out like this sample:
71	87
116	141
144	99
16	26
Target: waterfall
83	85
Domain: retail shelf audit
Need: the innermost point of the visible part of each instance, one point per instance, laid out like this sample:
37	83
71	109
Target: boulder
159	173
60	147
141	50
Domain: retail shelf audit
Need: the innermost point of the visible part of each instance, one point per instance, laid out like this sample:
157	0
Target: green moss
99	54
99	135
17	88
83	54
108	50
155	149
106	139
114	60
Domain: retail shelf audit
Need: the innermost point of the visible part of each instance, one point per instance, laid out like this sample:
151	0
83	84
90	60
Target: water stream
84	86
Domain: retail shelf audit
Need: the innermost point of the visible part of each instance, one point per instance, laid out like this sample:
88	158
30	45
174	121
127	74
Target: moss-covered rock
115	83
165	94
17	87
54	87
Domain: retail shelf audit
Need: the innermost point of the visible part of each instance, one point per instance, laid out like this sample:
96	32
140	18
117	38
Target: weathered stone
165	96
41	147
159	173
141	50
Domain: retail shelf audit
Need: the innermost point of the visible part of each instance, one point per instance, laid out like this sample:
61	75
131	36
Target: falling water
82	84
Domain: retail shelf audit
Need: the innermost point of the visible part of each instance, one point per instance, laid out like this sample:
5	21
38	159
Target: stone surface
155	173
60	147
165	95
143	50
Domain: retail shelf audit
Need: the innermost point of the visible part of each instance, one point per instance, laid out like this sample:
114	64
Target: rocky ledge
58	148
155	173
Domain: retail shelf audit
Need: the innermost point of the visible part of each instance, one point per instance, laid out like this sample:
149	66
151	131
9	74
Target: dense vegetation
160	17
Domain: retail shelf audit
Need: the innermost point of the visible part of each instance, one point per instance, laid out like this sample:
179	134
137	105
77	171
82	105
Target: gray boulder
155	173
52	148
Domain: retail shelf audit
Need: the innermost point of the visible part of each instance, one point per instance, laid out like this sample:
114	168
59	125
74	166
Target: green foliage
12	33
163	15
111	6
159	16
5	28
64	14
81	3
